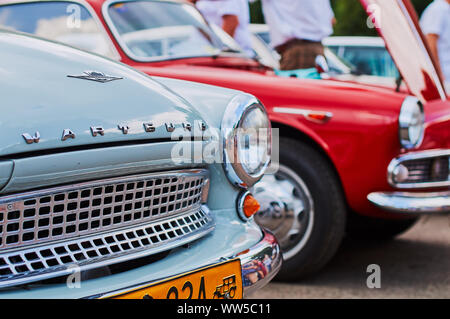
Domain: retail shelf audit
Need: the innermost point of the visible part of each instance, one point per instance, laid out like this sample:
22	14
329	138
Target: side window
65	22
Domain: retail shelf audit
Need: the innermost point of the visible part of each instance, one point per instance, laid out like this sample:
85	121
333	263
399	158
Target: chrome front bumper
230	240
412	203
251	259
259	264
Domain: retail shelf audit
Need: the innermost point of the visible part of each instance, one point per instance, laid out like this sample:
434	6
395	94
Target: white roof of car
334	40
354	41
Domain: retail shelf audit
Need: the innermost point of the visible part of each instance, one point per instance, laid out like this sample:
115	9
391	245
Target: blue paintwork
40	97
6	168
37	95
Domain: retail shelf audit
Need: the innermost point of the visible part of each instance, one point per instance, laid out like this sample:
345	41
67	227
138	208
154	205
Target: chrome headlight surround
236	117
411	123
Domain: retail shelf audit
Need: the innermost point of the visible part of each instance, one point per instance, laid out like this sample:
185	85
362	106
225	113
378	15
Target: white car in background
367	54
269	57
357	59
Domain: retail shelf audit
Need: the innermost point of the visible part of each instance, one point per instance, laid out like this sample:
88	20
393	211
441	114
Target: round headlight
247	140
411	123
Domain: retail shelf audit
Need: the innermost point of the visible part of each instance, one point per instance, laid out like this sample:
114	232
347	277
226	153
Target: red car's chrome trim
412	203
314	116
412	156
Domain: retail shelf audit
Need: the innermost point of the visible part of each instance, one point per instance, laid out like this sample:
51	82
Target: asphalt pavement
414	265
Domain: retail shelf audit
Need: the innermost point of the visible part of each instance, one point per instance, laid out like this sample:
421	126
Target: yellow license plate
220	281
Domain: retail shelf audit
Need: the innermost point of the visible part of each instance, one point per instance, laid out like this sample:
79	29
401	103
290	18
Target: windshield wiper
227	51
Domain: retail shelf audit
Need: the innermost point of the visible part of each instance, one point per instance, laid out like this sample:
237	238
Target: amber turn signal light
248	205
319	117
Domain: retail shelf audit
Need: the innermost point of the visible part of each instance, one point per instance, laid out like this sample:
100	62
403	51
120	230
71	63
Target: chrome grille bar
421	169
57	259
66	212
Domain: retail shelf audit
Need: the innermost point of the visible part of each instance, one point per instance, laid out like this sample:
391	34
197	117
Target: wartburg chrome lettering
67	133
170	127
32	139
202	126
149	127
99	130
187	126
95	76
95	130
123	128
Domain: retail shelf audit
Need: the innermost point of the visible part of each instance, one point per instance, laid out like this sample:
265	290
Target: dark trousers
299	54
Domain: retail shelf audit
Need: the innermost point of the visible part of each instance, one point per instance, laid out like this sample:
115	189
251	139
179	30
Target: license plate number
220	281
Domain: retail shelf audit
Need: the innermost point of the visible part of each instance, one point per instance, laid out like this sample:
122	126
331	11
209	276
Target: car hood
276	91
397	23
39	96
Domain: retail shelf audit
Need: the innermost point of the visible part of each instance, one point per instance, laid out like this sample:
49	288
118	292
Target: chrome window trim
87	6
232	118
124	47
415	156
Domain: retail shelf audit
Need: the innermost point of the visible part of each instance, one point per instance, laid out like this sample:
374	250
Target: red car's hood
397	23
275	91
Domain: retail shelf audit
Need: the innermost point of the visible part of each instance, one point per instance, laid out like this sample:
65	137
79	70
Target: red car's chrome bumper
412	203
415	172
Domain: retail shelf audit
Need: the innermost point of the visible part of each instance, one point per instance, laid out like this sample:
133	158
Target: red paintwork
399	26
361	138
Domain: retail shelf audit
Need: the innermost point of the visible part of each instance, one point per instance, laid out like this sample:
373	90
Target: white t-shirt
298	19
214	10
436	19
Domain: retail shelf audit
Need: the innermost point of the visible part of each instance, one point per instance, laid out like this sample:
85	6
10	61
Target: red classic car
353	158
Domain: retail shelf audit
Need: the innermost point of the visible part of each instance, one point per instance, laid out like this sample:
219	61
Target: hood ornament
95	76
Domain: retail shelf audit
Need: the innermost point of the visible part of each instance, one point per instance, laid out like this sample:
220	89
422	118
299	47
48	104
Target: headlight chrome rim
404	120
233	118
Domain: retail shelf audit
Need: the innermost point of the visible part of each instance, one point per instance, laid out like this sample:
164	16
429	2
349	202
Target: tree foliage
350	15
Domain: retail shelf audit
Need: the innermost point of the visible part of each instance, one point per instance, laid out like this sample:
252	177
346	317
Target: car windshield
265	36
156	30
368	60
62	21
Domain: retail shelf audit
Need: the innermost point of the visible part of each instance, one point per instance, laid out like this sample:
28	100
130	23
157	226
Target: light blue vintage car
100	196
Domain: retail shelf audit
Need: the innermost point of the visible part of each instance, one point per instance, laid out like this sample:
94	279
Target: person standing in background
233	16
435	23
297	28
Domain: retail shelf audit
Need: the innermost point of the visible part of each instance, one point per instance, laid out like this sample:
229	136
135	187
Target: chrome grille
421	169
71	211
427	170
57	259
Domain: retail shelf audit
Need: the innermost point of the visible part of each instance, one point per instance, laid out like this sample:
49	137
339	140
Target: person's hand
432	40
230	23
